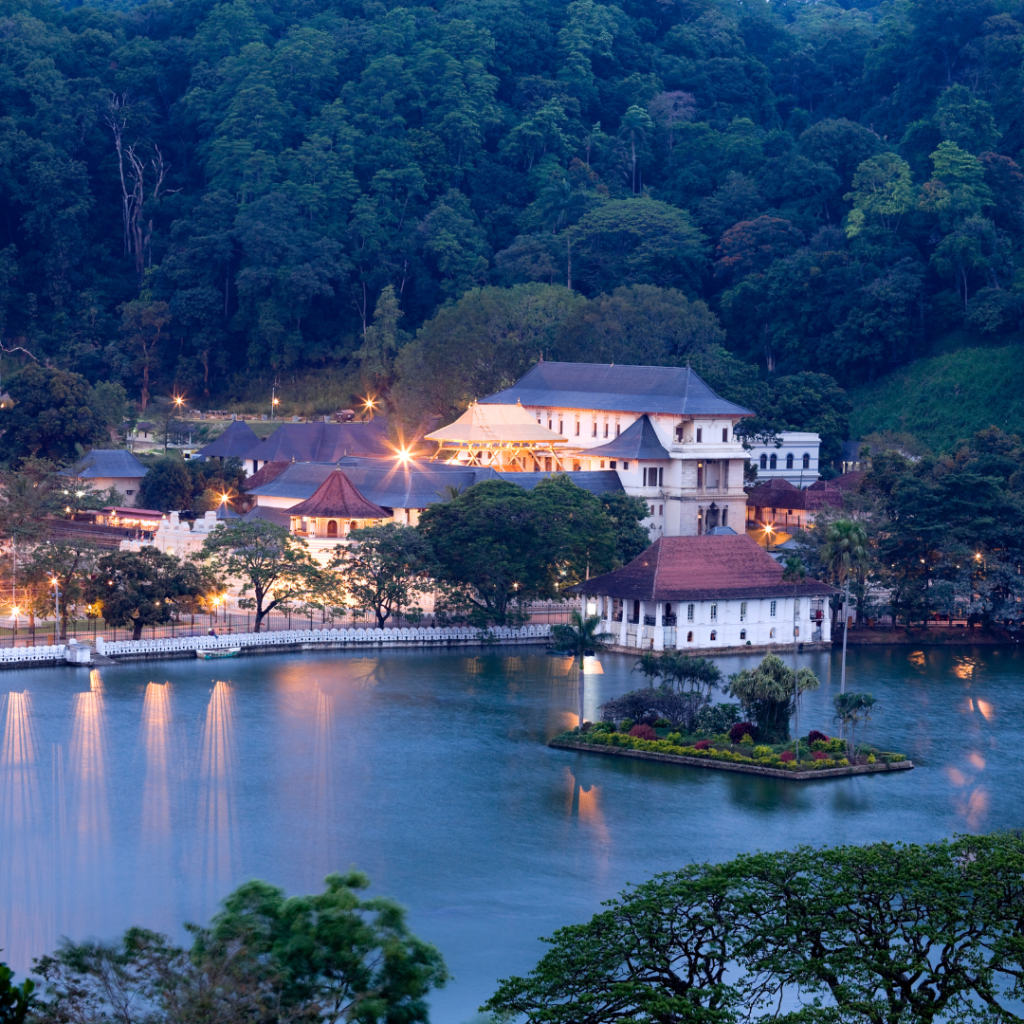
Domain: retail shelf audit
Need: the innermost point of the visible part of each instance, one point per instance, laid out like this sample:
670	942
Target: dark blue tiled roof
606	386
105	463
238	439
638	441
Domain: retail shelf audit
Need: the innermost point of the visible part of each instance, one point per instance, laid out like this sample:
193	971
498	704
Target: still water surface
143	794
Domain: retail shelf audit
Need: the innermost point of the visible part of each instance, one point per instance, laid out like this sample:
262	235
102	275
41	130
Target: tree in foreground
15	1000
146	588
769	694
273	567
329	958
382	569
849	935
579	636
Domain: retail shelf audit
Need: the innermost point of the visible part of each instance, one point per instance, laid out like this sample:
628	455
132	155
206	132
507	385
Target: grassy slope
945	398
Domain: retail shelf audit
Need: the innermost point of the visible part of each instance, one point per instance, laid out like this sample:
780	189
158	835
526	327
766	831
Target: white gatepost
659	627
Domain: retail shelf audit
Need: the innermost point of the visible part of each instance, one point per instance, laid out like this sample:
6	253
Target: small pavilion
506	438
335	509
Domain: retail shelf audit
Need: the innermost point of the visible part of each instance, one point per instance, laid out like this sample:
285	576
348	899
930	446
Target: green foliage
383	569
498	545
273	566
166	487
580	635
54	416
145	588
769	693
334	956
15	1000
721	943
944	399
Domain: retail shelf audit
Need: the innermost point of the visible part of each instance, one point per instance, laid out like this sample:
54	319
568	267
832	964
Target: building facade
794	459
667	435
707	594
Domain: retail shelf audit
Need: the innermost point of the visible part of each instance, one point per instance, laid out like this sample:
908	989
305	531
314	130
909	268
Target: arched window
771	635
764	461
807	461
773	462
789	461
332	528
353	526
689	638
714	635
743	634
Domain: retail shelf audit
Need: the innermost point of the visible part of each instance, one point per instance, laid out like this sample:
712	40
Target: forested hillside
424	197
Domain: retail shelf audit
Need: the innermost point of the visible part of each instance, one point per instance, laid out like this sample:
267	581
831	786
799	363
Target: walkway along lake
142	793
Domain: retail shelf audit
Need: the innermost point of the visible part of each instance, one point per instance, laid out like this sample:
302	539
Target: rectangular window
689	613
645	478
625	465
700	434
547	465
714	611
606	430
561	427
743	611
725	516
613	464
593	432
602	463
661	510
549	423
577	428
652	510
661	477
617	428
771	610
725	434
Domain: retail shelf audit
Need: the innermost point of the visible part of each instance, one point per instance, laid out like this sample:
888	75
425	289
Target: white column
659	626
623	637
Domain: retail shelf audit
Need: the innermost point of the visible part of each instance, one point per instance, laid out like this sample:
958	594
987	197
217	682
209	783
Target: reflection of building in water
320	812
155	834
89	777
24	917
217	819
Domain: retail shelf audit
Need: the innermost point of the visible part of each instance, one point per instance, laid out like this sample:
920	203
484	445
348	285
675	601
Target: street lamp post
56	606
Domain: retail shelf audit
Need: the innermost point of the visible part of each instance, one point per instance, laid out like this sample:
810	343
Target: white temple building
707	594
667	435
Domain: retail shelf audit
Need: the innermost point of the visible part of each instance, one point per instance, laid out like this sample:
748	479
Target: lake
143	793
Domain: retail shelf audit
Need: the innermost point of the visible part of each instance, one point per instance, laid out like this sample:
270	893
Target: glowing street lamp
55	583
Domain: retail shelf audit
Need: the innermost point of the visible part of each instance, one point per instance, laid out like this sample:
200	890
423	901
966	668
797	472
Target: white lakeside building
794	459
706	594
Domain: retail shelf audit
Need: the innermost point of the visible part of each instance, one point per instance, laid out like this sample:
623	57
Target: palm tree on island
580	637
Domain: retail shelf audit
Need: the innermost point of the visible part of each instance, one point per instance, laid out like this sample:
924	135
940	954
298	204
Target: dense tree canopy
205	195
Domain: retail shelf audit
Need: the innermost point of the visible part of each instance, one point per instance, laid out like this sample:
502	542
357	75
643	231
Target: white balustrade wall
411	635
10	656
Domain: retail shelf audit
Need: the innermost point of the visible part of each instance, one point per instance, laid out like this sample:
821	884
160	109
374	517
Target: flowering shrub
820	755
702	745
815	737
643	732
787	756
741	729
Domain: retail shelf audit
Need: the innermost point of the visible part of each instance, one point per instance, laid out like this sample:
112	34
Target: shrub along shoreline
722	754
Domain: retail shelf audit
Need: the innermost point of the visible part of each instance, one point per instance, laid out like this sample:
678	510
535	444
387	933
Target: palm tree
578	637
650	665
851	708
771	692
845	550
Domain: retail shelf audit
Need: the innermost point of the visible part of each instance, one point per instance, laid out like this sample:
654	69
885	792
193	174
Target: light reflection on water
139	800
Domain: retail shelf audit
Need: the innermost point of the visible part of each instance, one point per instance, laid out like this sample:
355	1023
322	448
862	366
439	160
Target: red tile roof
337	497
701	569
777	493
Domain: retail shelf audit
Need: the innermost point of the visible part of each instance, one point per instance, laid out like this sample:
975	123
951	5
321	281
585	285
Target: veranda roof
704	568
494	424
337	498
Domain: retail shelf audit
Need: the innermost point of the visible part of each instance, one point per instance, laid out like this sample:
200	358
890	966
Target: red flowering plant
820	755
741	729
787	756
643	732
702	745
813	736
